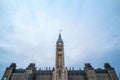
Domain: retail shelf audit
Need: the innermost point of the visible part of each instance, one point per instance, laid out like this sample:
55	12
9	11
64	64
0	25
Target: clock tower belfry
60	72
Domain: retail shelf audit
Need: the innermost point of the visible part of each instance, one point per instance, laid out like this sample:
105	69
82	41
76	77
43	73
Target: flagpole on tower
60	30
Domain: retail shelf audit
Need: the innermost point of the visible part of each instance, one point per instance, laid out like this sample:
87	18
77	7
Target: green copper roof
60	38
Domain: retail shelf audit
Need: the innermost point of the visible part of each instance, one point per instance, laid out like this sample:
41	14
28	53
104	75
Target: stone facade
59	72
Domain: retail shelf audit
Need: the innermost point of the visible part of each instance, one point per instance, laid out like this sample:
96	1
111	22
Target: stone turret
111	71
8	72
90	72
30	72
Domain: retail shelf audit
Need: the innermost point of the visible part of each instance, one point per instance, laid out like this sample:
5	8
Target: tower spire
59	39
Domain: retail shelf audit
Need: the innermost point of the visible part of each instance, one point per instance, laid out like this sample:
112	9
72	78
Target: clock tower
60	72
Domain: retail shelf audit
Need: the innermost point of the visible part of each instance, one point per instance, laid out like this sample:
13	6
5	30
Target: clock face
59	43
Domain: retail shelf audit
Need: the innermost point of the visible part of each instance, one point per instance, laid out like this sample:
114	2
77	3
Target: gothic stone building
59	72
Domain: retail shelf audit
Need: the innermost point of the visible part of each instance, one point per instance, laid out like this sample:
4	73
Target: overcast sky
29	30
